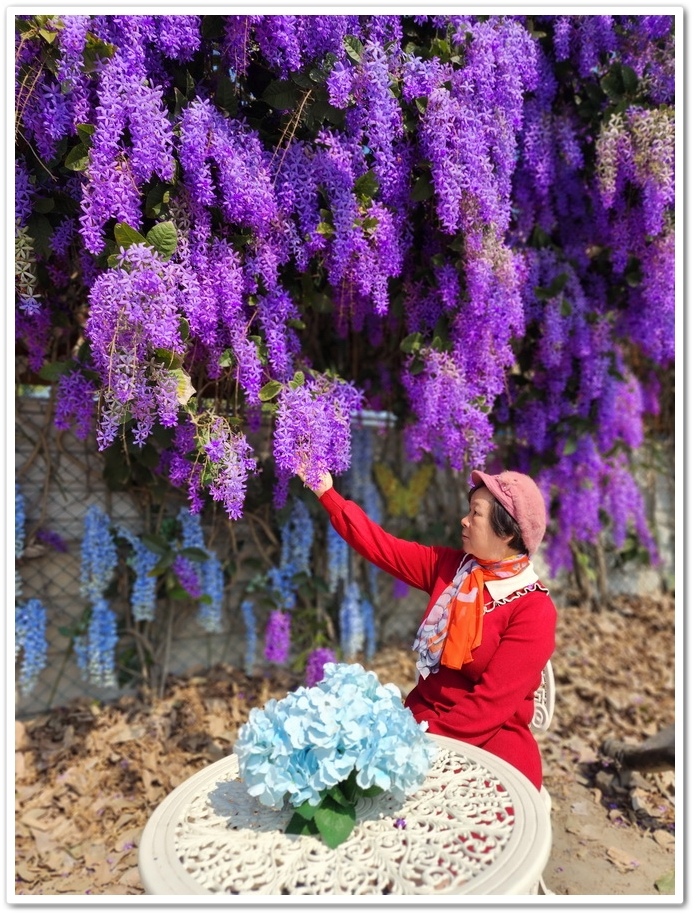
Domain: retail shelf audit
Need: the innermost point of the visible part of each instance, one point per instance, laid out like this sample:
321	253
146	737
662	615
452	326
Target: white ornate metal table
475	826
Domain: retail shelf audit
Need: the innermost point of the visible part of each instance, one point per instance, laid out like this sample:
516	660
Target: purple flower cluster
75	397
313	427
447	425
187	572
136	309
277	643
314	669
230	463
24	193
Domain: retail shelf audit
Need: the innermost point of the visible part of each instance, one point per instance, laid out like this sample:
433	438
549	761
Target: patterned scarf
454	624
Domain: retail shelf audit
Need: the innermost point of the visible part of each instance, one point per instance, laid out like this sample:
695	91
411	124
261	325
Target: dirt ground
87	777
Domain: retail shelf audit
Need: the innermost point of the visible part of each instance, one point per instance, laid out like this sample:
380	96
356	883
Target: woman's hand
325	482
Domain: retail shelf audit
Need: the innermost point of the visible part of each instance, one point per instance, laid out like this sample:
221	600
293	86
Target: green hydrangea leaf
335	822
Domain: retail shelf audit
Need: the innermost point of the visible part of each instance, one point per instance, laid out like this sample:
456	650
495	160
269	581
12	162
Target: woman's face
478	536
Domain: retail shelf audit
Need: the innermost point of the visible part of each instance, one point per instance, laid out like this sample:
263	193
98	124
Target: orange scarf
453	627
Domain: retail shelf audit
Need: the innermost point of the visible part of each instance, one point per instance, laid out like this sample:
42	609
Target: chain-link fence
59	477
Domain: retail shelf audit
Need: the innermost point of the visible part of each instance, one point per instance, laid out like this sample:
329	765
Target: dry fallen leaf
623	860
664	838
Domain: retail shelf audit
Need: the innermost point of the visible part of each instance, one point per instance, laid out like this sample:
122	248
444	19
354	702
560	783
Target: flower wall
235	233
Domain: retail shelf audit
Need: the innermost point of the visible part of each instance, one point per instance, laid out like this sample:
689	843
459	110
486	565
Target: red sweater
490	701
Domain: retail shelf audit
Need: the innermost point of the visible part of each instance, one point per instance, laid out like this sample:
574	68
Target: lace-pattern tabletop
475	826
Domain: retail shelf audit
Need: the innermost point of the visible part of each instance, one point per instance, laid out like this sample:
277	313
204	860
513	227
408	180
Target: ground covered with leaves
88	776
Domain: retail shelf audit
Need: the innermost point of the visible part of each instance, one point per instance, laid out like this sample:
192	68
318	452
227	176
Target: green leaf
416	366
44	204
168	358
226	94
302	80
301	827
367	185
297	379
335	822
126	236
225	360
325	111
270	390
163	565
178	592
50	37
156	543
95	51
339	796
280	94
307	810
163	238
41	231
629	78
184	388
85	133
412	343
558	283
613	85
157	198
325	229
354	48
52	371
665	884
422	188
195	553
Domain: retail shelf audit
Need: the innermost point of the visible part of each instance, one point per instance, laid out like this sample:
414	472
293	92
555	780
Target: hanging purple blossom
277	644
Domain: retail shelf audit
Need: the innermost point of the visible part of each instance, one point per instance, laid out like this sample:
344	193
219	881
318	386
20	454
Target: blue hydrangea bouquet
321	748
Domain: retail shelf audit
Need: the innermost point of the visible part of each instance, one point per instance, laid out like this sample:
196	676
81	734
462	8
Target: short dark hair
503	524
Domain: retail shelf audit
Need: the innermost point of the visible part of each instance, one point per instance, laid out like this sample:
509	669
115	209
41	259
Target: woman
489	627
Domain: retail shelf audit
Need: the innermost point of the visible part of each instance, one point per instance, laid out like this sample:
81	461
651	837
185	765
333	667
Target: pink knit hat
523	500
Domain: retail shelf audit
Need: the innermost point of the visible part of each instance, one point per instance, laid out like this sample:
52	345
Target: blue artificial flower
213	581
296	748
99	556
250	629
96	650
350	621
144	589
210	572
337	558
30	642
20	524
20	521
368	617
